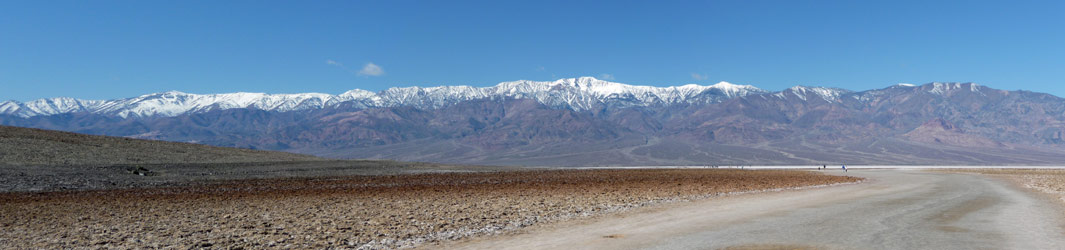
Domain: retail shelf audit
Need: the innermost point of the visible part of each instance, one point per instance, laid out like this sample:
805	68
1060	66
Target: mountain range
575	93
586	121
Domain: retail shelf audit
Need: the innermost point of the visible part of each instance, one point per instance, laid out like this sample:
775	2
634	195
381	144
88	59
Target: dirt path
895	209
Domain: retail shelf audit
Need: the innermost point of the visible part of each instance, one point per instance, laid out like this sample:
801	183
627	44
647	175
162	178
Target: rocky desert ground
37	160
365	212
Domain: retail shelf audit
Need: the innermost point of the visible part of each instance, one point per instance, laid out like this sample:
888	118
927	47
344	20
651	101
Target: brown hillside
27	146
939	131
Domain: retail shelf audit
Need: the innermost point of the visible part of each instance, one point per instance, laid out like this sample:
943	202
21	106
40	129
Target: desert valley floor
540	209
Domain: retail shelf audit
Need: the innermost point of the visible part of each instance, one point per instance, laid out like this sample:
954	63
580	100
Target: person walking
844	168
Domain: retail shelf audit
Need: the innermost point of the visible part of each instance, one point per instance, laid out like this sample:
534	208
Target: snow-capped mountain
586	121
586	92
940	88
803	92
169	103
574	93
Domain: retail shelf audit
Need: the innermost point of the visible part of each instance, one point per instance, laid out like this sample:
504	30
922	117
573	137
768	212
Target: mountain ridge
576	93
575	122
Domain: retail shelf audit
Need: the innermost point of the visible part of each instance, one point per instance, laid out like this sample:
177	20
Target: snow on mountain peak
575	93
736	90
827	94
941	88
358	94
728	85
7	107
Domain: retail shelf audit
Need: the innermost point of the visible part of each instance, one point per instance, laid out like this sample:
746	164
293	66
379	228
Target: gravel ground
367	212
123	176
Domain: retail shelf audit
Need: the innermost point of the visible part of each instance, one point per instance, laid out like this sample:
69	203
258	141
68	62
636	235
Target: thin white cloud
605	76
699	77
371	70
540	68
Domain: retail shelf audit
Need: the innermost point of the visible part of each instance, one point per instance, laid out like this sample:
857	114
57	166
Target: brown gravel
368	212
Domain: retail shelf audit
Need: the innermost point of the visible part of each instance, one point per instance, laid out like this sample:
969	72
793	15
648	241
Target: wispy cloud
605	76
699	77
371	70
338	64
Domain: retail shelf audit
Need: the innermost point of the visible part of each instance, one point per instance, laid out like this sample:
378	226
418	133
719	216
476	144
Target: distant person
844	168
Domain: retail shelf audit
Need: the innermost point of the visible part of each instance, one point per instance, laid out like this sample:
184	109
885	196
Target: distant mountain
576	93
586	121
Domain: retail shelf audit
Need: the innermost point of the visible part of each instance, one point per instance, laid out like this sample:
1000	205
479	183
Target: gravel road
893	209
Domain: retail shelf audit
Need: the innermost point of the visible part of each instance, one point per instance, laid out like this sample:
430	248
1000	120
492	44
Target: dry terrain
35	160
891	209
124	176
38	147
357	211
1048	181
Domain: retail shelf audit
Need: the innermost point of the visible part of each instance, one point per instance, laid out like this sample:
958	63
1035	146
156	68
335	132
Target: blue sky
113	49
